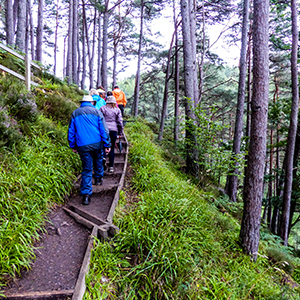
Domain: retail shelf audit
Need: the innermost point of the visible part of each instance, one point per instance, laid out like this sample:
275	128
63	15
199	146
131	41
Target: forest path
63	252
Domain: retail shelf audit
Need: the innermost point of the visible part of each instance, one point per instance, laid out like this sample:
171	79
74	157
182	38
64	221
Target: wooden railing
28	64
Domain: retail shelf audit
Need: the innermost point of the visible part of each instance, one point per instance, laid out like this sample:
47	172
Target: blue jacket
99	101
87	129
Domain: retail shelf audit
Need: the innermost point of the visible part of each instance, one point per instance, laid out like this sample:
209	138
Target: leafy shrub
10	133
55	106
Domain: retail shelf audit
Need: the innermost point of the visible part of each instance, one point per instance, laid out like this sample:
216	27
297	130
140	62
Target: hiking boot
110	169
99	181
86	199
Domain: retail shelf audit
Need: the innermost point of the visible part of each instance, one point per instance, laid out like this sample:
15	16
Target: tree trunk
55	37
284	229
9	22
39	31
99	53
176	79
138	71
114	75
193	37
189	81
270	186
92	53
28	9
75	42
104	46
31	34
83	55
15	14
232	185
70	44
20	38
250	226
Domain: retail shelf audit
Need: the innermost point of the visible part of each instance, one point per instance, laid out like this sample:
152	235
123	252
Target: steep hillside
175	243
37	166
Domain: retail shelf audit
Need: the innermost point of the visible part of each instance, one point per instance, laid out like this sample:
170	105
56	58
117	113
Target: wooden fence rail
28	64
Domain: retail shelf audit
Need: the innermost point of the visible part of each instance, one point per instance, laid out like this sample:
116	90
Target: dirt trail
63	252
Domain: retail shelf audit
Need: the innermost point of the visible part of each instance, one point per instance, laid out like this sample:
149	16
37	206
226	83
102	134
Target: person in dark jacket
114	122
87	131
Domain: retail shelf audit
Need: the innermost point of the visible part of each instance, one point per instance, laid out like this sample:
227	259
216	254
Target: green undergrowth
37	168
174	243
32	182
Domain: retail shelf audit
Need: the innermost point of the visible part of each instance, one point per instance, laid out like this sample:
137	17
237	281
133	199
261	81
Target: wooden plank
15	74
80	219
91	218
39	295
80	284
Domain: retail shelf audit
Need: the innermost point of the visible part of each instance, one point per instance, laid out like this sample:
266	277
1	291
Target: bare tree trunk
20	38
189	81
55	37
138	71
250	226
15	14
99	53
114	75
92	52
232	185
9	22
270	186
248	118
284	228
83	55
104	46
193	8
39	32
28	9
176	102
31	35
75	42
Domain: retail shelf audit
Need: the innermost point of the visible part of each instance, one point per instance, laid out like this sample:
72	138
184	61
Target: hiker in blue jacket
86	134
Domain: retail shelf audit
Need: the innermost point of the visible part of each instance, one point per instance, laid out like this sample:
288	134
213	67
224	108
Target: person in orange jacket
120	98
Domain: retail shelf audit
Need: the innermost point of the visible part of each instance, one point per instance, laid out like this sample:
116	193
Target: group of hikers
93	130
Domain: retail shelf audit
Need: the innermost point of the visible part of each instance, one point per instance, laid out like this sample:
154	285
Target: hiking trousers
90	160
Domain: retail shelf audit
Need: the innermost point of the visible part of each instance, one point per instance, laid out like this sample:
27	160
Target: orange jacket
120	97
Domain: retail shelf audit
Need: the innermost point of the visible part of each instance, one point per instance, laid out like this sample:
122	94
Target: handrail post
27	72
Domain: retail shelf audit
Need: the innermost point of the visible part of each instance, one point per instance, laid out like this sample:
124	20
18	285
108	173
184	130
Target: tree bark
189	81
39	31
250	226
83	54
232	184
104	46
20	38
31	34
70	44
9	22
92	52
99	53
284	228
55	37
176	79
75	42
